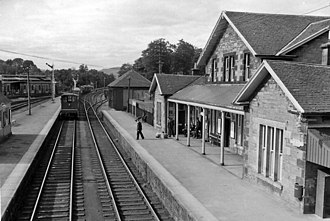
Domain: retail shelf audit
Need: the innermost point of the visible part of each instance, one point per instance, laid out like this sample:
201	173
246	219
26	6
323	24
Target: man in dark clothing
198	129
170	127
139	129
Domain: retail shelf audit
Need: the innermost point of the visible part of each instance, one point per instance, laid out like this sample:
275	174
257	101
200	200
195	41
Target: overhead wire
48	58
93	65
318	9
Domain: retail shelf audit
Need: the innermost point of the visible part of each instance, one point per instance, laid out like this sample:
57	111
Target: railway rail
51	193
17	105
128	198
83	176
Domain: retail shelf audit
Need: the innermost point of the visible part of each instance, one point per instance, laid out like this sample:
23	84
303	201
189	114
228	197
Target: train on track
69	105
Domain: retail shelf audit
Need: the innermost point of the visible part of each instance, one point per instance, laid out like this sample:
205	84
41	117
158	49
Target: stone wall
160	98
163	184
271	107
311	52
231	43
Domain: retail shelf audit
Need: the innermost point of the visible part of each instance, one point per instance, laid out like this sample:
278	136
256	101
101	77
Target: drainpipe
188	127
203	132
222	147
177	121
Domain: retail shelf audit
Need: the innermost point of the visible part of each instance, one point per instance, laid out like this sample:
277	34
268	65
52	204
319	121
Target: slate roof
308	85
312	30
264	34
136	81
171	83
219	95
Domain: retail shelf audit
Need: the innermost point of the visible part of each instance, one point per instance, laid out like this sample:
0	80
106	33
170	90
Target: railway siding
168	189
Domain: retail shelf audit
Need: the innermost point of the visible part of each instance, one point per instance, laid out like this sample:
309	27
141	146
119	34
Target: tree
124	68
183	57
157	57
83	68
18	64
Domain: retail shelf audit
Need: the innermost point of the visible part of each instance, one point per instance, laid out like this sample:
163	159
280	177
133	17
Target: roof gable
312	31
131	78
168	84
263	34
306	85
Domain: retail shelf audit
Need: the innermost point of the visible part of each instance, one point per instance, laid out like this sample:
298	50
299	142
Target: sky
109	33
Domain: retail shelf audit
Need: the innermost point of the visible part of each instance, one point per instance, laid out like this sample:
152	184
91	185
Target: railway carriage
69	105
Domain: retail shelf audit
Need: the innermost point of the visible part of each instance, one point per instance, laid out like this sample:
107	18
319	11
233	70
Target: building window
159	111
5	117
239	129
270	152
228	67
1	119
246	66
214	70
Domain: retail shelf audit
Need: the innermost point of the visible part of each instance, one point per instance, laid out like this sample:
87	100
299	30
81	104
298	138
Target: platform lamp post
28	90
128	92
53	81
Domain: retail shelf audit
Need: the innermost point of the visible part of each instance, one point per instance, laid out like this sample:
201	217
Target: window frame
159	113
246	66
270	152
228	67
214	70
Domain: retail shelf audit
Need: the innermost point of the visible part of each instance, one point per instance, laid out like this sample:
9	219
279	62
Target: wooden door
322	207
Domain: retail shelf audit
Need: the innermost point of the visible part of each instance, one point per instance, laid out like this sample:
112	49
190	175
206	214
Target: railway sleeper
134	207
127	193
139	218
136	213
52	215
137	203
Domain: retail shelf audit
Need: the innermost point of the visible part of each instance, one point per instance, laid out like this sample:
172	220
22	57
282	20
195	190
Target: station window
228	68
5	118
270	152
1	117
159	111
246	68
214	70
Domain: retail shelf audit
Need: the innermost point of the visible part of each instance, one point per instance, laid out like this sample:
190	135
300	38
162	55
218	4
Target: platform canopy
212	96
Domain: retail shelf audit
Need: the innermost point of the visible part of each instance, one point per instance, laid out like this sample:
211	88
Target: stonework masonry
172	204
311	52
231	43
271	107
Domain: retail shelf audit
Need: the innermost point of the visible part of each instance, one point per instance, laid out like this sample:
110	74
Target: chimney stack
326	51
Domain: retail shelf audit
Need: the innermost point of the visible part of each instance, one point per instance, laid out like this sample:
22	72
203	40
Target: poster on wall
232	129
219	126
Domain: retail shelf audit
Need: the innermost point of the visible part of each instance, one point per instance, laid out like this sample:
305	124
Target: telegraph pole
128	92
53	81
28	90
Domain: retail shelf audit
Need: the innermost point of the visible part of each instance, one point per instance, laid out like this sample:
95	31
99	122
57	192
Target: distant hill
113	71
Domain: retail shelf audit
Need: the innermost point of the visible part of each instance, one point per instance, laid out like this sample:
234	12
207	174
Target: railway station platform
206	189
18	151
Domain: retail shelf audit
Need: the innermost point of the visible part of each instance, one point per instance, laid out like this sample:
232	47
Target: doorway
227	132
322	207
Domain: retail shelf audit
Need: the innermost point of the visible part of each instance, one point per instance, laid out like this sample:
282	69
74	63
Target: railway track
128	198
17	105
51	193
83	176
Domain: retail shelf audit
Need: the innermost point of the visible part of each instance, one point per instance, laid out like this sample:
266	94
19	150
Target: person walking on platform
139	129
170	126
